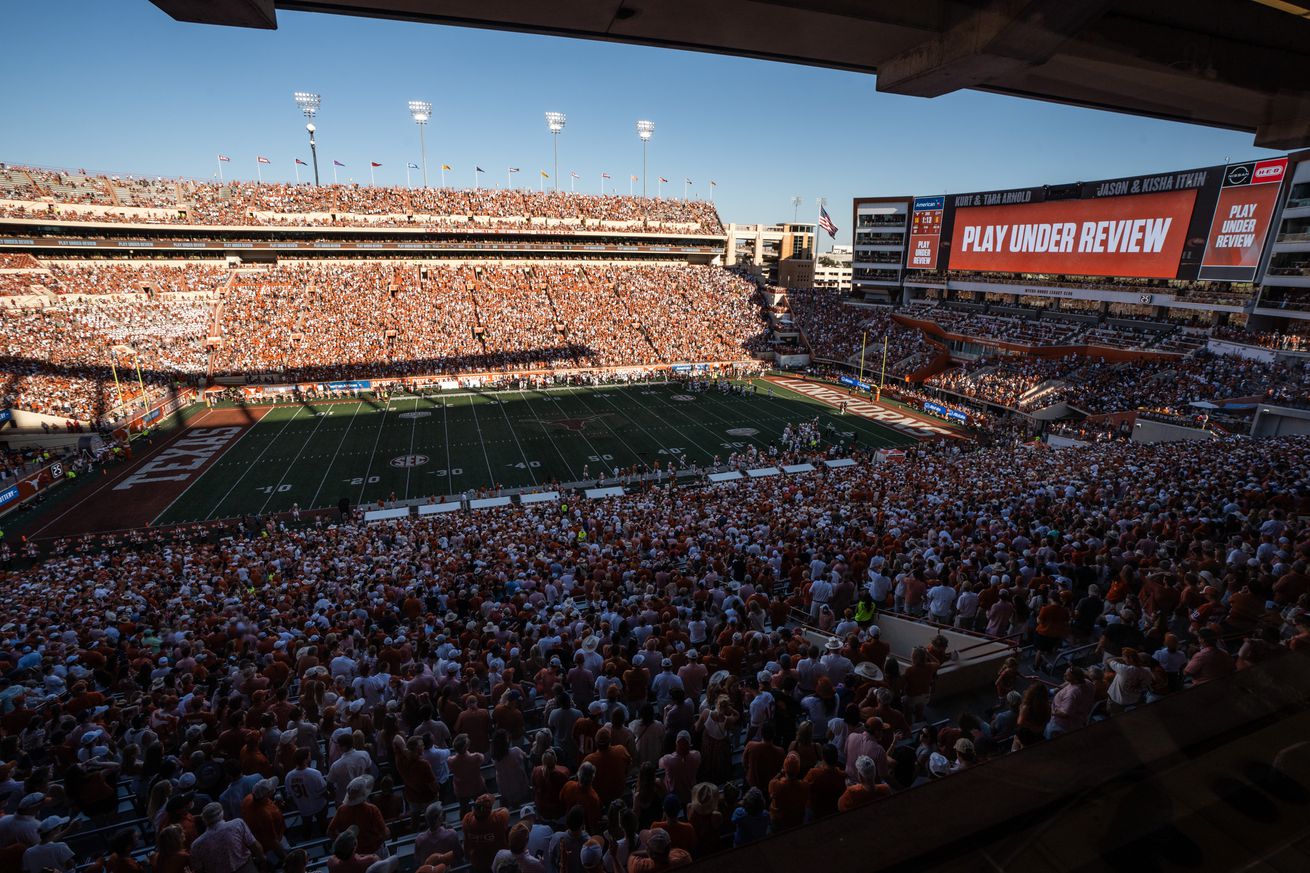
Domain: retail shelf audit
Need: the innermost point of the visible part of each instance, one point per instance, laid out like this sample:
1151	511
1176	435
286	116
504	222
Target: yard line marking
445	426
292	465
482	442
381	421
750	420
620	438
572	476
251	465
513	433
412	428
686	437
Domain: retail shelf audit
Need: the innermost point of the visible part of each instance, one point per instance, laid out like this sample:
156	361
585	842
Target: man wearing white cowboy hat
836	665
357	812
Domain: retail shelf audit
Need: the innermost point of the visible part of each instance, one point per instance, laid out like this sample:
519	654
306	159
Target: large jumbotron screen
1209	223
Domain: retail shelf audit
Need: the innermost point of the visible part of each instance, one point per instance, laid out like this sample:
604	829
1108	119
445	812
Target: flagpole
406	174
629	184
220	169
659	187
296	168
334	172
685	180
443	175
814	251
370	174
259	174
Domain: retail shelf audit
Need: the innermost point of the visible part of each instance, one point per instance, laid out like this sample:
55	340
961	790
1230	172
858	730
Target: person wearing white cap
49	854
225	846
23	826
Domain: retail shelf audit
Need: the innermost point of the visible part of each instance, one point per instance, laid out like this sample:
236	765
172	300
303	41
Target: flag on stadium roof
263	160
225	159
662	179
513	169
576	176
479	170
545	175
302	163
826	223
604	175
634	178
412	165
374	164
688	181
337	164
713	184
445	166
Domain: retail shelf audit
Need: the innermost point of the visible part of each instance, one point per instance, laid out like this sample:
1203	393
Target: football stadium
357	526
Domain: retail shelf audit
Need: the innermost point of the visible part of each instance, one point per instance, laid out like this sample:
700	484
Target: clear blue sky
120	87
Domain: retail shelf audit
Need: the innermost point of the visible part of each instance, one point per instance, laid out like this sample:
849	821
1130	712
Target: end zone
899	420
137	493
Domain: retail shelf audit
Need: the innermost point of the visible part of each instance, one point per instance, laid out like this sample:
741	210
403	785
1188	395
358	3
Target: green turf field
414	447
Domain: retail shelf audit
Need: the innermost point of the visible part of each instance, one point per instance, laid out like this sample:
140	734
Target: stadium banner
945	412
6	416
348	385
1241	220
1140	236
925	233
852	382
681	368
28	486
9	495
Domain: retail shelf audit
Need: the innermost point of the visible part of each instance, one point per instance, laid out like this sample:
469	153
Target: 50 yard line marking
248	467
321	482
567	465
445	427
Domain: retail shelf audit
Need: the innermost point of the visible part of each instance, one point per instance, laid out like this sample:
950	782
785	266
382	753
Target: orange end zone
134	494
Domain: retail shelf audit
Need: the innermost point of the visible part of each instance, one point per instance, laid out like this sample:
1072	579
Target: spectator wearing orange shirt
356	811
260	813
486	832
789	795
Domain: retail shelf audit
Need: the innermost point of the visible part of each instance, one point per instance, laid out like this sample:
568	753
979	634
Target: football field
412	447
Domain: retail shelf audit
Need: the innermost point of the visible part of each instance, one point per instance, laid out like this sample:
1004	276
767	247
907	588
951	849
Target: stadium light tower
645	130
421	111
308	103
555	123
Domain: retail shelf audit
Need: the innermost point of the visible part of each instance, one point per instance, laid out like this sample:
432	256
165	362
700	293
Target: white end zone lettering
180	461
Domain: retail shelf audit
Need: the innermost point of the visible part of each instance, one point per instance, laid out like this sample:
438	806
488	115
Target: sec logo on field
409	461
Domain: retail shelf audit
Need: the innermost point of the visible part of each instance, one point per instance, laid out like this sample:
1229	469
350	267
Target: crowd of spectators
1096	385
837	331
56	360
279	203
373	319
631	669
1283	341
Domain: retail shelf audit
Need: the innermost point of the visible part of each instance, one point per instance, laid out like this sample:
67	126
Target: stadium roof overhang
1240	64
